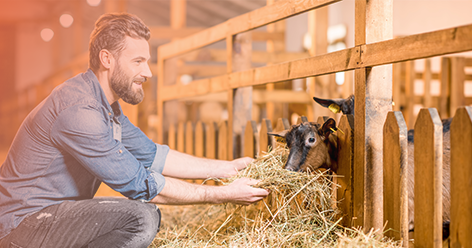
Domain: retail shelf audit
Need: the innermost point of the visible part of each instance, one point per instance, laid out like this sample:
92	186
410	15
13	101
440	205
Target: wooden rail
374	48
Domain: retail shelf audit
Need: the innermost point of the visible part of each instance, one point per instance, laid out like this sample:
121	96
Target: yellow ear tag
280	139
336	129
334	108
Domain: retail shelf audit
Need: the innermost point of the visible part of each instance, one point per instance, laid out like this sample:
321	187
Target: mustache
139	80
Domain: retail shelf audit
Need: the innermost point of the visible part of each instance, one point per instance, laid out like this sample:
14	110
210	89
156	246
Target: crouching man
78	138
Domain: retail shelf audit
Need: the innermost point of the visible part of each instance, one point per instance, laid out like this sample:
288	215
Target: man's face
131	70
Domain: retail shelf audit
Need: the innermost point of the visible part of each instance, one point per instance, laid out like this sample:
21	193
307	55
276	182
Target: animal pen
373	145
373	168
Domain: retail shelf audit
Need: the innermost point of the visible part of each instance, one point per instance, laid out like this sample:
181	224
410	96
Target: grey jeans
99	222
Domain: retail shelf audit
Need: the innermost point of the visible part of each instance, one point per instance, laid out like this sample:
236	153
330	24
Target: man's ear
106	58
280	136
328	127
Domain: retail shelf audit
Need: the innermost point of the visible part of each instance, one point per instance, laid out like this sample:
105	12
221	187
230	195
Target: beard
122	85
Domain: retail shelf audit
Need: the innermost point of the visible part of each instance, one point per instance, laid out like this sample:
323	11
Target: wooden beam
461	173
395	158
428	179
252	20
344	60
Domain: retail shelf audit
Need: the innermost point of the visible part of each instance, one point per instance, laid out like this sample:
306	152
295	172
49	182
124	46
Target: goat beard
123	86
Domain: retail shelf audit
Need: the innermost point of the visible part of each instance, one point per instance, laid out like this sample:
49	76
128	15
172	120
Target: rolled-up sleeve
83	132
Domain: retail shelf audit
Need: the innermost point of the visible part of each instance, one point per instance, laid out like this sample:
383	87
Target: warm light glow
93	2
47	34
66	20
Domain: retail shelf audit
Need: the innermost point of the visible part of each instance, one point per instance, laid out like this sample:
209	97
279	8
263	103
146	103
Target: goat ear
280	136
335	105
328	127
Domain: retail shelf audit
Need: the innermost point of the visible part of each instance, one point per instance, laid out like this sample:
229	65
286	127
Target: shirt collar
115	109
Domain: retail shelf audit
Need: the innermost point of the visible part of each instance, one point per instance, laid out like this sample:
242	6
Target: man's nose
146	71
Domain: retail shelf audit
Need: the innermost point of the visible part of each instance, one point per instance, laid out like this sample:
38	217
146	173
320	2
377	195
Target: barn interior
45	42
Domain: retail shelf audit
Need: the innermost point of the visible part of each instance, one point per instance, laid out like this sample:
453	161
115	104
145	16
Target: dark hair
110	33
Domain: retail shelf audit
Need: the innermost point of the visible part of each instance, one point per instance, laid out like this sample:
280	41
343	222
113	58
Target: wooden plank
427	76
397	85
282	124
409	93
172	139
254	19
189	138
428	179
457	98
445	79
359	148
211	139
266	141
181	137
322	119
200	135
468	62
302	119
436	43
223	141
395	159
250	140
376	94
461	174
373	54
242	97
345	167
178	13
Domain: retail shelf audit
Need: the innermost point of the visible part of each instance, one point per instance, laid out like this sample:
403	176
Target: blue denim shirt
68	145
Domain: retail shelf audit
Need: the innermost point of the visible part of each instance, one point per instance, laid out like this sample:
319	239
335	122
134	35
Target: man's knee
148	218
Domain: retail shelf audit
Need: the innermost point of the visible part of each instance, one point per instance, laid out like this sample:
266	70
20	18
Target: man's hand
237	165
241	192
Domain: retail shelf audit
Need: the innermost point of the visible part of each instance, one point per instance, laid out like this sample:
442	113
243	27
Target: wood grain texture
345	167
461	174
250	140
445	79
266	141
395	161
457	98
428	179
254	19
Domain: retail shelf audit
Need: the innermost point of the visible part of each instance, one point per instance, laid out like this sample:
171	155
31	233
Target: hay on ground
299	212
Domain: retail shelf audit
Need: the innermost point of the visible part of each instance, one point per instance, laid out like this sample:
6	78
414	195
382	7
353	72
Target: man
78	137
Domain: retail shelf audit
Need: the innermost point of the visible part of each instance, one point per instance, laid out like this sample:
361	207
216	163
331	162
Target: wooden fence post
457	97
461	174
211	140
181	137
445	80
427	76
395	159
265	141
250	139
428	179
189	138
223	141
345	164
200	134
172	138
373	23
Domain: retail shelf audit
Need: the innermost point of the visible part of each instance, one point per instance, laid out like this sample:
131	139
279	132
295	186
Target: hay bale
298	213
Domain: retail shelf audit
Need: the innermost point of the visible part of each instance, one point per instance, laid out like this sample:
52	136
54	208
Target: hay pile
299	212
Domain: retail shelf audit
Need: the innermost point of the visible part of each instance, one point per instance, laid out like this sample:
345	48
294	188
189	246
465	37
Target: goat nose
290	168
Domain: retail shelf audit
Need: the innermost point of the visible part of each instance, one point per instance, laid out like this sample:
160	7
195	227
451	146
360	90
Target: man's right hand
241	192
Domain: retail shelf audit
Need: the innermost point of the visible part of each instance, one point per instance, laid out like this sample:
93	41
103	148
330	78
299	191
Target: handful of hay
299	212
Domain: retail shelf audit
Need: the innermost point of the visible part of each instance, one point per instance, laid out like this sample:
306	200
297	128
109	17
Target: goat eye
311	140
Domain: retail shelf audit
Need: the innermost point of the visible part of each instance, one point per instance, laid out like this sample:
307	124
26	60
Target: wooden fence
371	58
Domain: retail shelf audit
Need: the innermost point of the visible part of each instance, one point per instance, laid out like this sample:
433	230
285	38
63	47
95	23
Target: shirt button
120	151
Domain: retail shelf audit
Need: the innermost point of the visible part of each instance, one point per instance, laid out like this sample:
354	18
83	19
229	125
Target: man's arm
178	192
181	165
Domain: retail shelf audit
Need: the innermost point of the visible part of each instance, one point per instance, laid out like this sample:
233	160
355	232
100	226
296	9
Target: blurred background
44	42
